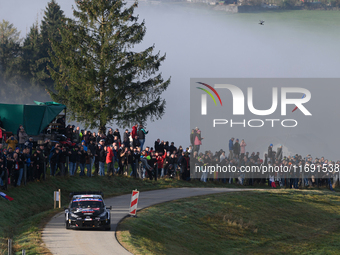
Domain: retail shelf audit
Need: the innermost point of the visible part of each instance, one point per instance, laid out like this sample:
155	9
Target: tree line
87	63
23	61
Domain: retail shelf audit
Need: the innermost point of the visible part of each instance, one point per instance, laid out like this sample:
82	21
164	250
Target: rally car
87	210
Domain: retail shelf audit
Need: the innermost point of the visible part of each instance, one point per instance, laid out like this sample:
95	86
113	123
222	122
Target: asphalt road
61	241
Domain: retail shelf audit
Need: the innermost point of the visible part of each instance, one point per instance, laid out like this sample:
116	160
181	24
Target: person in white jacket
243	148
22	138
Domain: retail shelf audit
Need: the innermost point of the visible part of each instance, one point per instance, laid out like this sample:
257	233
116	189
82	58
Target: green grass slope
22	219
260	222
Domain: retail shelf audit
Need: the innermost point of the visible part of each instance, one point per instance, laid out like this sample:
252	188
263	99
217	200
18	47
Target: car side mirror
109	207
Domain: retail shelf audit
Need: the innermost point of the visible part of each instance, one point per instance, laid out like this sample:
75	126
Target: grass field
261	222
23	218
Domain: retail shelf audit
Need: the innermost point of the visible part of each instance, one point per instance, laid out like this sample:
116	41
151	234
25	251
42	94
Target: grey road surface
61	241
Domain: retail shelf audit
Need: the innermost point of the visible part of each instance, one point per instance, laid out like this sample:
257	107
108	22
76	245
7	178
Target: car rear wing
86	193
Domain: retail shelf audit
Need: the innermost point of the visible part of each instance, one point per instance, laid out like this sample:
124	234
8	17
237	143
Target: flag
304	95
5	196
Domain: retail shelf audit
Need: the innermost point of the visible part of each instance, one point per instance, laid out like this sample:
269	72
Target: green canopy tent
34	118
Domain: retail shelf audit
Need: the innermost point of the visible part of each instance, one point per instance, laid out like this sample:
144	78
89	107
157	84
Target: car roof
87	196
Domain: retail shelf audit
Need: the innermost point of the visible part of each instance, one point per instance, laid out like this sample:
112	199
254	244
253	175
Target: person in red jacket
109	160
134	131
160	161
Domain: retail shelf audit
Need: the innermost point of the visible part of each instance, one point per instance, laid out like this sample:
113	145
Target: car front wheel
67	225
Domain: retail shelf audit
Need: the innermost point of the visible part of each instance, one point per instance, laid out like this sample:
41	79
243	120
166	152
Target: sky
202	43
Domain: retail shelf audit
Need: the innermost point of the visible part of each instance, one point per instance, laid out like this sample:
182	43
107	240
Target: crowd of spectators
88	154
317	171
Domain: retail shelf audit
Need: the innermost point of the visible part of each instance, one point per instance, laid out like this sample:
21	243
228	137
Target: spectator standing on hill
157	148
16	169
12	142
88	160
236	149
243	148
109	160
231	148
20	126
166	146
27	160
102	158
22	159
126	139
160	162
122	159
93	137
117	141
109	137
192	137
92	149
115	158
100	137
134	131
69	132
76	137
22	138
62	160
172	148
37	165
131	161
62	124
73	155
144	159
183	165
55	161
46	149
270	153
29	144
125	160
86	137
82	160
198	140
83	144
41	159
141	135
166	161
279	153
117	133
222	156
96	159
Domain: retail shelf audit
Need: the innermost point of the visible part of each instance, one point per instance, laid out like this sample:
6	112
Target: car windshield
87	204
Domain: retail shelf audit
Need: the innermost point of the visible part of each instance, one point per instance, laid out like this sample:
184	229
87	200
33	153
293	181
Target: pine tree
9	45
10	52
32	77
51	23
33	65
100	78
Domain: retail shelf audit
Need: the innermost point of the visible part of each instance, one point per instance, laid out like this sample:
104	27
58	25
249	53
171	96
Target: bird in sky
261	22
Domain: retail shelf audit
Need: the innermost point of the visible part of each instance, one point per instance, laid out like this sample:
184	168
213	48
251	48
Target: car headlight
73	215
103	214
